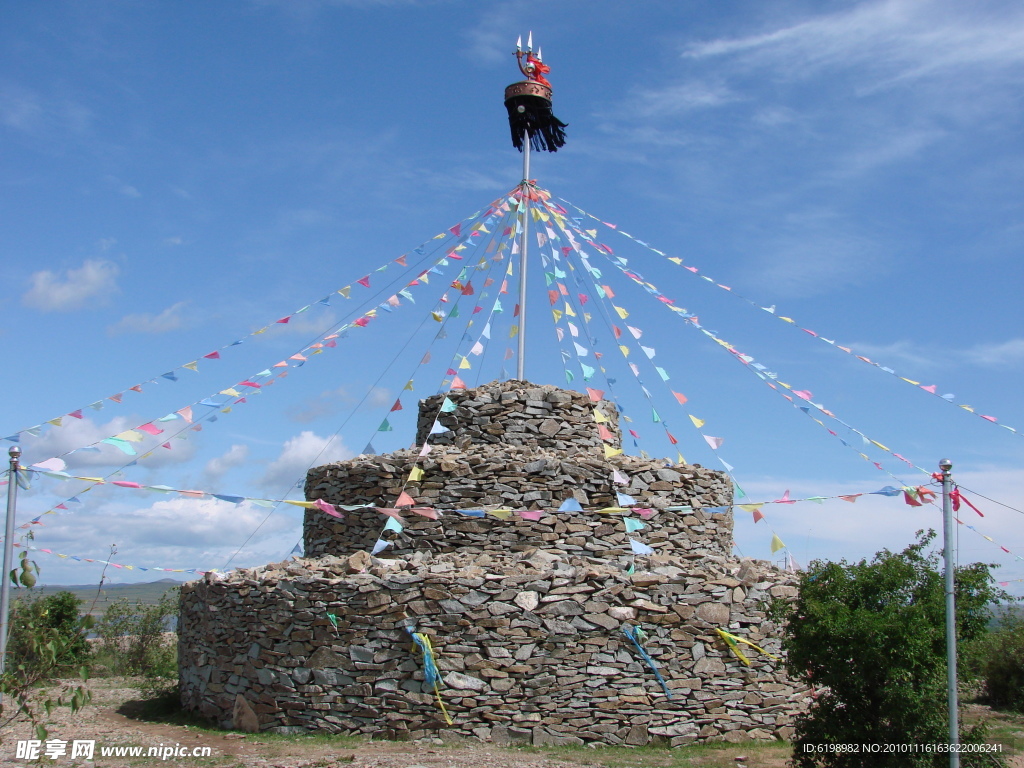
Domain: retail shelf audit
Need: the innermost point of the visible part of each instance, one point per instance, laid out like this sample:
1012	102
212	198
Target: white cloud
813	252
490	40
173	532
91	284
989	354
215	468
316	321
997	354
840	529
379	397
682	97
320	406
299	453
170	319
77	433
910	39
26	110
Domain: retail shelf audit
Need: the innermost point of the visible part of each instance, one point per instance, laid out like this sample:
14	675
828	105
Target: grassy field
147	594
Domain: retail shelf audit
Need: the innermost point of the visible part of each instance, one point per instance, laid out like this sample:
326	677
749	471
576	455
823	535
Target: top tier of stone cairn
518	413
514	445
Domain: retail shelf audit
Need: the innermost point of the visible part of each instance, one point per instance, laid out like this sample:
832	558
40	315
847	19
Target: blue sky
175	177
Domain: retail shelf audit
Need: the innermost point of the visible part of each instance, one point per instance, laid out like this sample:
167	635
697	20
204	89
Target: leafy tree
133	637
870	638
55	616
47	639
998	662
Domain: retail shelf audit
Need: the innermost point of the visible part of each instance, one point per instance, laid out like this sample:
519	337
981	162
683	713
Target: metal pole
525	229
947	543
5	583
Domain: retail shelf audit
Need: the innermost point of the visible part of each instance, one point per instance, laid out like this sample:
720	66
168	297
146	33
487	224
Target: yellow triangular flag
599	417
464	364
777	543
131	436
624	349
609	451
408	385
192	366
698	423
345	291
56	422
415	474
680	459
557	314
622	313
231	391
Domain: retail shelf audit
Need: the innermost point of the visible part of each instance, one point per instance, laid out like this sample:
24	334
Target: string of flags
931	389
193	366
124	440
763	373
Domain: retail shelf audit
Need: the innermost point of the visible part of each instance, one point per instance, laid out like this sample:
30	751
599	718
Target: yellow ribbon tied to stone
733	642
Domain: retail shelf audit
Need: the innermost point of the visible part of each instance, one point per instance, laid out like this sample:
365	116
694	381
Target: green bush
133	638
35	621
870	637
998	662
47	640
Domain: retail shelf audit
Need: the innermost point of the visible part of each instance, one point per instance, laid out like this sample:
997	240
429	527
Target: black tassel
532	115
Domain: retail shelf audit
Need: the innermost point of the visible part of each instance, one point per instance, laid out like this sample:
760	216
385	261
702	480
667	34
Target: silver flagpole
5	584
523	240
947	544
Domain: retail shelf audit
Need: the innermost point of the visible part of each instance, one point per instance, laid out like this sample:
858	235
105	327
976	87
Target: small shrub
47	640
133	639
35	621
998	663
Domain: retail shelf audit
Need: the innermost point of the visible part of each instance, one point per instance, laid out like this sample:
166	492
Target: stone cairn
527	618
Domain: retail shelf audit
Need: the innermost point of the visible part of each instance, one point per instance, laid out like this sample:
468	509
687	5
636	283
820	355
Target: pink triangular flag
427	448
458	383
151	429
785	499
404	500
186	413
213	356
758	515
323	506
596	395
284	319
365	281
531	514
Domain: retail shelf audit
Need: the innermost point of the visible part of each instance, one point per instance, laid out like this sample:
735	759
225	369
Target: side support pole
523	240
947	545
5	580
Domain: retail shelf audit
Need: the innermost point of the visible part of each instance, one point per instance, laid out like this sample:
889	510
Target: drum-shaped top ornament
529	104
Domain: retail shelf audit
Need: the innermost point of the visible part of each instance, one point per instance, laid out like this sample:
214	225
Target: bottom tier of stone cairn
545	629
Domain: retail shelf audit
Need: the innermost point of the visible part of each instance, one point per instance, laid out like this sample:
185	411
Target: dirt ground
112	720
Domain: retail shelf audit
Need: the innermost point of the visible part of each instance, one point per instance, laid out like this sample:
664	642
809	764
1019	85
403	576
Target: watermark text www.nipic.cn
85	749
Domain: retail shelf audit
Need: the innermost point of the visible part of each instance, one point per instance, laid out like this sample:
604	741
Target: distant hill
147	594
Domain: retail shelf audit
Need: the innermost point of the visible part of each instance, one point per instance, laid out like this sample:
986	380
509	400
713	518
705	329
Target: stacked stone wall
518	413
526	616
515	478
531	651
